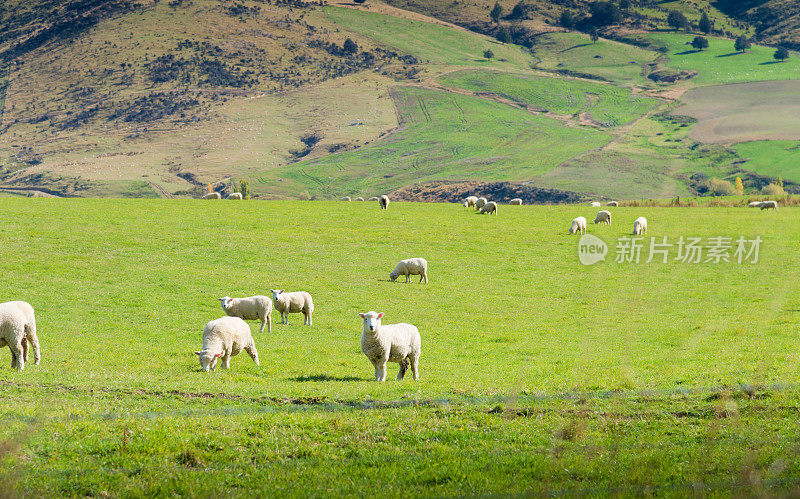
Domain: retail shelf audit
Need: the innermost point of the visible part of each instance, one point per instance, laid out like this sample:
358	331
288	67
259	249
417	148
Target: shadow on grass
730	54
576	47
767	63
324	377
687	52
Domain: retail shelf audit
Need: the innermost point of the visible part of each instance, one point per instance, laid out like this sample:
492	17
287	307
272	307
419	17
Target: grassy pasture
771	157
607	104
538	374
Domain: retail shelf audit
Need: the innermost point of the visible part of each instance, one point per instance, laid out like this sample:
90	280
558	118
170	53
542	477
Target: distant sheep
470	201
754	204
234	195
640	226
384	202
224	338
612	203
252	308
409	267
373	198
479	203
769	205
578	226
490	207
18	330
359	198
212	195
594	204
515	202
399	343
293	303
346	198
604	217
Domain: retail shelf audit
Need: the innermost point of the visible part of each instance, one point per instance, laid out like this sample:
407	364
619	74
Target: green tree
244	188
742	43
359	1
567	19
781	54
488	53
495	13
504	34
700	43
705	24
624	4
594	35
677	20
604	13
519	11
350	47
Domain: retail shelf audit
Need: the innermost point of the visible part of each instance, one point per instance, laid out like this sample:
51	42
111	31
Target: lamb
224	338
754	204
234	195
212	195
578	226
384	202
479	203
640	226
409	267
594	204
252	308
612	203
346	198
766	205
359	198
18	330
490	207
399	343
603	216
373	198
516	202
293	303
470	201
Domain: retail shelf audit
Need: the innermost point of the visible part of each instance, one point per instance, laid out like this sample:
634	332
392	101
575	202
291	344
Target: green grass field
609	105
538	375
771	157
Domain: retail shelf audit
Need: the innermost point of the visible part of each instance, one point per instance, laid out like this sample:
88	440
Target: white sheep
516	202
640	226
224	338
346	198
612	203
373	198
293	303
384	202
399	343
578	226
359	198
470	201
594	204
252	308
603	216
17	330
490	207
480	202
766	205
409	267
754	204
212	195
234	195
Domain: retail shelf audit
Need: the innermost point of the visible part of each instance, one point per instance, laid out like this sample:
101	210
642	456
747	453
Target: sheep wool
252	308
470	201
490	207
293	303
515	202
18	331
384	202
224	338
409	267
212	195
578	226
640	226
604	217
399	343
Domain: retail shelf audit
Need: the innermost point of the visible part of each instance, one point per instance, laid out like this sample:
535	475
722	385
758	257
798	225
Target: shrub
717	187
773	189
488	54
700	43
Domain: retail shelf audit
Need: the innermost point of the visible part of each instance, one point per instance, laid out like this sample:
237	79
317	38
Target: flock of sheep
383	201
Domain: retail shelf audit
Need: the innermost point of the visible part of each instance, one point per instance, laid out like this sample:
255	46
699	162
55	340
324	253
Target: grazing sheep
578	226
479	203
490	207
252	308
212	195
373	198
754	204
384	202
516	202
640	226
766	205
359	198
594	204
399	343
224	338
470	201
603	216
17	330
293	303
409	267
346	198
234	195
612	203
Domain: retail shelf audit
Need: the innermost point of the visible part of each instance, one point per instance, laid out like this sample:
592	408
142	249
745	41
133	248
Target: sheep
252	308
293	303
18	330
754	204
612	203
470	201
594	204
640	226
409	267
359	198
578	226
234	195
399	343
766	205
603	216
212	195
224	338
516	202
490	207
480	202
346	198
373	198
384	202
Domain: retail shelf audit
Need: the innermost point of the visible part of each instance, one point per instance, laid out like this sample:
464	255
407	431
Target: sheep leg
34	340
251	349
226	361
380	370
403	367
16	356
25	349
269	324
263	323
414	361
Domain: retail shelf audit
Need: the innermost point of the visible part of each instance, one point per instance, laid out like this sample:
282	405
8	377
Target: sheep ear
361	315
380	315
198	353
